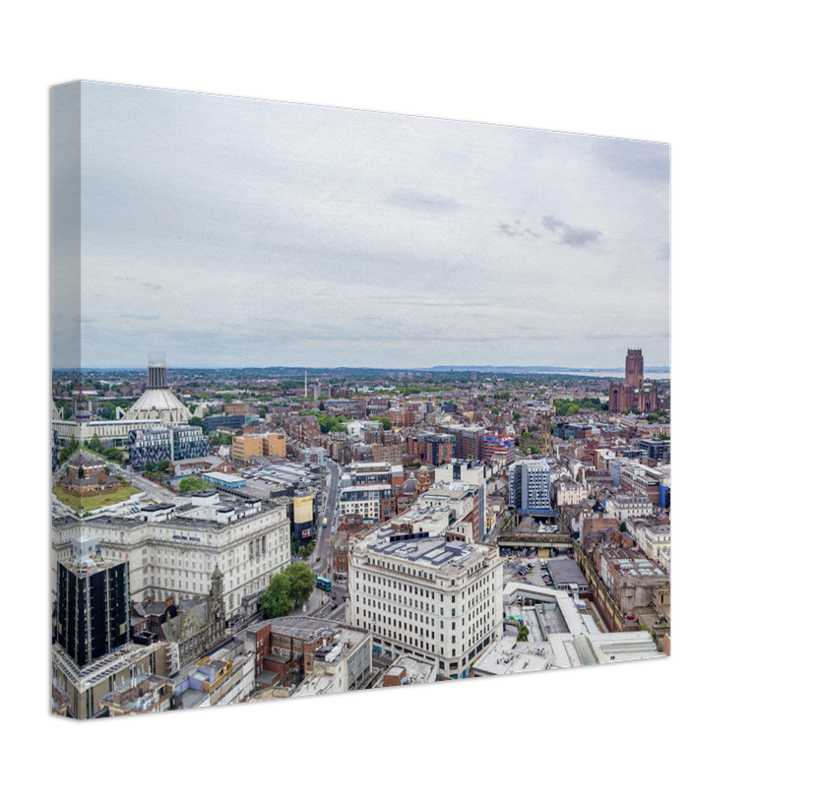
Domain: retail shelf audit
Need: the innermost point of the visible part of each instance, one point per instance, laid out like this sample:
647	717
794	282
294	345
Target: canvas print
346	400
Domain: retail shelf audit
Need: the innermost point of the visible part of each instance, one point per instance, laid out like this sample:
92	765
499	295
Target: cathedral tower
634	369
157	371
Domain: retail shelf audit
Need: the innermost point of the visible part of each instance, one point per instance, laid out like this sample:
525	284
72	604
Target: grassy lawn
92	502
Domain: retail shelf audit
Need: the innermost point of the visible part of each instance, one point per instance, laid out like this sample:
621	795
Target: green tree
148	467
523	633
95	443
197	421
276	600
302	582
113	454
516	415
192	484
623	527
163	465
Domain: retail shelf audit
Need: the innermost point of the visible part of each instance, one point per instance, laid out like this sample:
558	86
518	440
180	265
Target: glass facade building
166	444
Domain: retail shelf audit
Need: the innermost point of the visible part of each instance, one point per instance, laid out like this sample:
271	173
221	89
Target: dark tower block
93	602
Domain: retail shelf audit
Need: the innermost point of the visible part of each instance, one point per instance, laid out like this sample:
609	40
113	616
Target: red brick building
284	648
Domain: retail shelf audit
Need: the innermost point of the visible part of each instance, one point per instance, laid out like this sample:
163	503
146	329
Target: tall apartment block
468	441
93	602
529	489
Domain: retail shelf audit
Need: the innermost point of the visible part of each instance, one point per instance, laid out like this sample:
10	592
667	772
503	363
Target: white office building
172	550
427	596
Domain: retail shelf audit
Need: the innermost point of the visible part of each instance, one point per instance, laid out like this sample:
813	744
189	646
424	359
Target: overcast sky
231	232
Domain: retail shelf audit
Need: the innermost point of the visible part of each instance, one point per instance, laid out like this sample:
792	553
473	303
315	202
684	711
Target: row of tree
96	446
566	408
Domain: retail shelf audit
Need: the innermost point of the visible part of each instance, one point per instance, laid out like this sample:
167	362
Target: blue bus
324	584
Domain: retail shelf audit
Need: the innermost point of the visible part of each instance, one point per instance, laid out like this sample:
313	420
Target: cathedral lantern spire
157	371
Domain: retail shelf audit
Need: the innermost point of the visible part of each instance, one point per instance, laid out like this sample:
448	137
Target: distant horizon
509	369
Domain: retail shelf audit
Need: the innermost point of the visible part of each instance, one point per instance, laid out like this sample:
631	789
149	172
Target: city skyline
241	233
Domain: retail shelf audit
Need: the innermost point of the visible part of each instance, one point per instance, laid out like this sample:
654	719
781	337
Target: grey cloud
569	235
140	316
507	229
551	223
665	252
578	237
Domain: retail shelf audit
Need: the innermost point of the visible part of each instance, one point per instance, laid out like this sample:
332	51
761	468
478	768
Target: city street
320	560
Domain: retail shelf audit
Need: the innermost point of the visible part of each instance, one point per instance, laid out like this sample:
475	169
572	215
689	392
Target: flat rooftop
508	657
